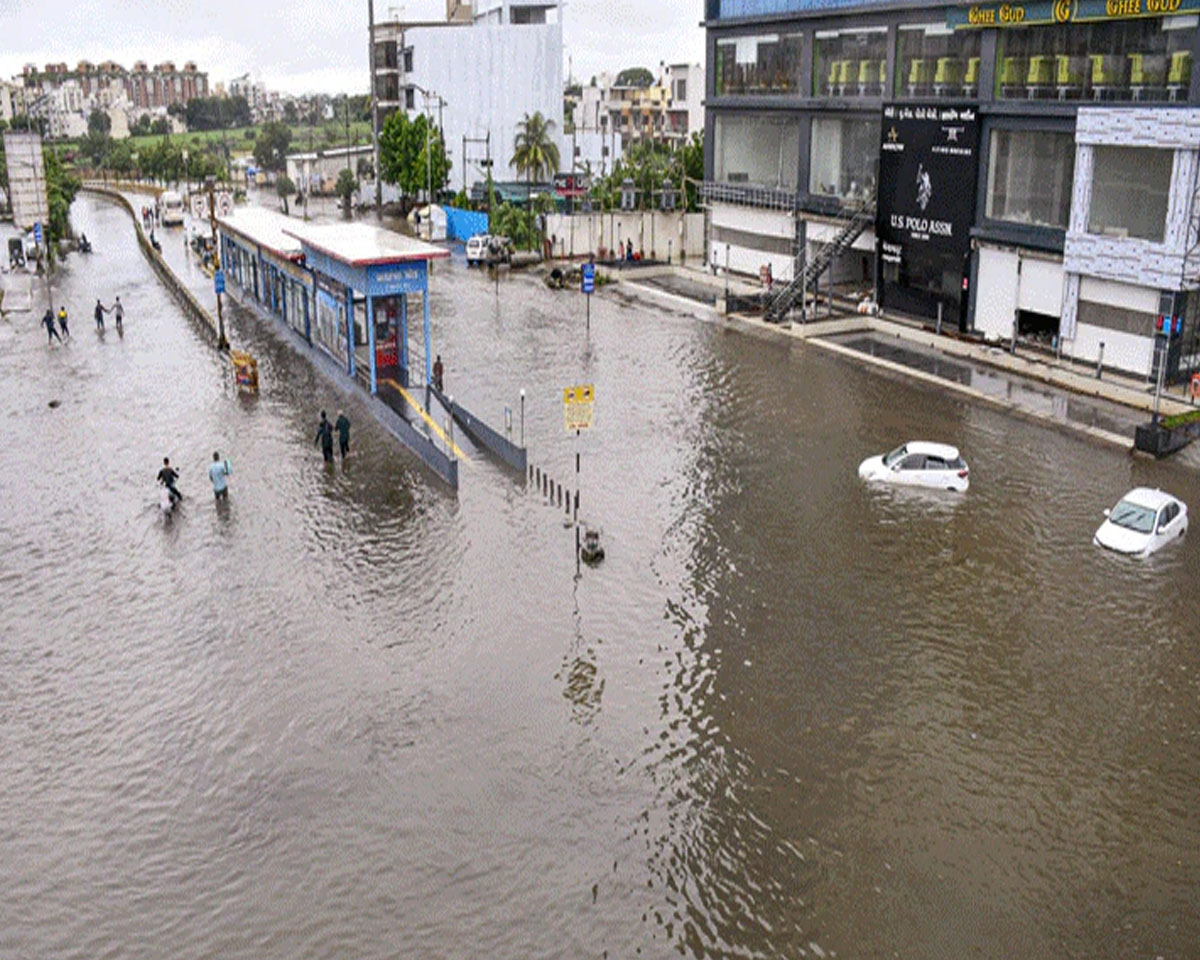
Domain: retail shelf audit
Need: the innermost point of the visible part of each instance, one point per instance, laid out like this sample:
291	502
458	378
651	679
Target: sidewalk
698	290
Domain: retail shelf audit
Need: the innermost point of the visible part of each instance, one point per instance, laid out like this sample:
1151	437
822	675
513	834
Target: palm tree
535	153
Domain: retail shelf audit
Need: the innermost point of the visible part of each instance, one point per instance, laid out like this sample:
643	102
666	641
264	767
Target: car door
934	474
911	470
1168	524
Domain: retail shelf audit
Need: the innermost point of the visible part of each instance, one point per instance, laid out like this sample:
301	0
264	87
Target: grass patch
1180	419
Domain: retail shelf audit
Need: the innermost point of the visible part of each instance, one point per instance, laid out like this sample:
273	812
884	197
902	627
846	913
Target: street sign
199	206
37	233
578	407
219	281
224	204
589	277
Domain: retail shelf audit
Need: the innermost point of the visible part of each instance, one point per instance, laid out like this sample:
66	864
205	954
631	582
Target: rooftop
266	228
361	245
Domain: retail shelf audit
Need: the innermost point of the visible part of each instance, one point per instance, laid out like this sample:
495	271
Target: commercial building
476	74
317	171
1028	169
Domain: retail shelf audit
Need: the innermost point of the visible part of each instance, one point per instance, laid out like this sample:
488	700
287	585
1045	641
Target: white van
170	208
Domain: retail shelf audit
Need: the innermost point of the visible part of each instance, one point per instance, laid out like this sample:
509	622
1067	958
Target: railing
749	196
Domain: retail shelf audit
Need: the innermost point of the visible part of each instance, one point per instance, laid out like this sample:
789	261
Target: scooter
166	503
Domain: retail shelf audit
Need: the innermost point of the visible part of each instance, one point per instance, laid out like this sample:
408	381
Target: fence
656	235
464	224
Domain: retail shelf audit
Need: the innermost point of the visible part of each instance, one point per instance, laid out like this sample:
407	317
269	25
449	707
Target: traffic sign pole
588	285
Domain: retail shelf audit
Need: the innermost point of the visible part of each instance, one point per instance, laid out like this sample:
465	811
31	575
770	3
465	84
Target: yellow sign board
578	407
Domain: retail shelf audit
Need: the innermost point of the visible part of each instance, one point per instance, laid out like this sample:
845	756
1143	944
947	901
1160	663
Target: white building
476	77
316	172
685	114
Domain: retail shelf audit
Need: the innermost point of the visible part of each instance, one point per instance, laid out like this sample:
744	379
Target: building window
408	55
843	157
850	63
764	151
680	90
1029	177
766	64
1147	59
385	55
410	100
1130	187
936	61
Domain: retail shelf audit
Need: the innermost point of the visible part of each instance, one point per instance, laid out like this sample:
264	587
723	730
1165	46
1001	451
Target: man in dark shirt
439	372
325	437
99	312
167	477
48	323
343	432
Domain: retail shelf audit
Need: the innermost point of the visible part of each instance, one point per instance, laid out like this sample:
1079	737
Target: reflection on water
787	716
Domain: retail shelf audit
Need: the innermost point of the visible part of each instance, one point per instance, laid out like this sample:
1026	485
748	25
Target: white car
477	248
1142	522
919	464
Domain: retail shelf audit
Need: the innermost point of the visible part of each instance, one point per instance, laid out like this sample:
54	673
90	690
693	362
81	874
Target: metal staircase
805	274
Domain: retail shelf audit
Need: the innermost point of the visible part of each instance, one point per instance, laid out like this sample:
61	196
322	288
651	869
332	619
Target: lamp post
211	183
726	278
522	416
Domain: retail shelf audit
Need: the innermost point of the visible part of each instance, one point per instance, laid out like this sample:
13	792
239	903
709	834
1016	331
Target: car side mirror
1107	511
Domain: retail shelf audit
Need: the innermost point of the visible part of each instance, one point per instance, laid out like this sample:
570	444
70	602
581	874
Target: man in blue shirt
218	471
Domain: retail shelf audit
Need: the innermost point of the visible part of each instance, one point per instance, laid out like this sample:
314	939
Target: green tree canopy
635	77
284	188
214	113
347	183
270	150
99	124
402	154
535	153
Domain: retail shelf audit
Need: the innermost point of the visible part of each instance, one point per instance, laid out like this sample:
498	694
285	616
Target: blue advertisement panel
386	279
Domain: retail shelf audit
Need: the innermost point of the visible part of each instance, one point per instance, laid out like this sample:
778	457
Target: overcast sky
311	45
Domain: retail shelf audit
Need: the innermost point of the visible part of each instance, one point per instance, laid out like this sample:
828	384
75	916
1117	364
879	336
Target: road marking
451	445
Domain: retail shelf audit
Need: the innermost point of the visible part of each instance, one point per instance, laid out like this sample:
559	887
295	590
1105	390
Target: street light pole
222	343
374	110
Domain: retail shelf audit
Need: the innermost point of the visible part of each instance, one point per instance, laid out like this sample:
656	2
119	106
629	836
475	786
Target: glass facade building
796	96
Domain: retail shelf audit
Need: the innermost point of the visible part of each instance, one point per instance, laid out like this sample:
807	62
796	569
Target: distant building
105	84
477	74
685	112
316	172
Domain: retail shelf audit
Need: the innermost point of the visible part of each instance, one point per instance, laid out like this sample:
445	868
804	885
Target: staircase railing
806	271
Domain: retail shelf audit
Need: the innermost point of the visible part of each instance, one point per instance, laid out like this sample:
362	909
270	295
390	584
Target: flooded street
351	715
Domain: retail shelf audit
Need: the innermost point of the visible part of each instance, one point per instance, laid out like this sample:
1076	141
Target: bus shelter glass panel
329	328
843	157
1141	59
850	63
934	60
759	150
763	64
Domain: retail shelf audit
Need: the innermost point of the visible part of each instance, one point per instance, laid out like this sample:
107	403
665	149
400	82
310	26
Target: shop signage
928	161
392	278
1037	12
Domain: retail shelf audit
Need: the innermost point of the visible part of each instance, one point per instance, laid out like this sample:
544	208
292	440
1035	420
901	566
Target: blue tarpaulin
464	224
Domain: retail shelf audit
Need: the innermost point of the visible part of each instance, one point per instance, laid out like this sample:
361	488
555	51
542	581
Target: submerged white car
919	464
1142	522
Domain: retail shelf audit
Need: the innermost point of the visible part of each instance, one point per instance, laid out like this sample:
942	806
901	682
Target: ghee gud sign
983	15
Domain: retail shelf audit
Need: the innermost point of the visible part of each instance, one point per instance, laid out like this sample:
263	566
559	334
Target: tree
161	127
290	115
365	169
284	188
535	153
141	126
215	113
270	150
99	124
61	188
635	77
347	184
402	154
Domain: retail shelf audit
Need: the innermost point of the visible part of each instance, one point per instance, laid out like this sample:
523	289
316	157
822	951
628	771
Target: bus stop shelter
355	264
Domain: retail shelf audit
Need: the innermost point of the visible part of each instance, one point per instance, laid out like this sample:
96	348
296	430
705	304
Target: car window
1133	516
1167	515
895	455
935	463
958	463
913	462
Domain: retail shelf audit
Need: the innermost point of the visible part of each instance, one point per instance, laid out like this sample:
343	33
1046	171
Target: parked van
170	208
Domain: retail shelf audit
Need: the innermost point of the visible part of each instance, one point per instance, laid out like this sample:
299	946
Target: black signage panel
928	167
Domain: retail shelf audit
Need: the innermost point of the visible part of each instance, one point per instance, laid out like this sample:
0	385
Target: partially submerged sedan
1142	522
919	464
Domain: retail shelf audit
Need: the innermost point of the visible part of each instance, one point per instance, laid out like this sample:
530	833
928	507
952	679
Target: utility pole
222	343
374	110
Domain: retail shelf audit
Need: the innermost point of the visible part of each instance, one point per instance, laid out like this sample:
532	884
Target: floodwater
352	715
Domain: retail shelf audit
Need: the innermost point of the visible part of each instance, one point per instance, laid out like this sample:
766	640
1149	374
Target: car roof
942	450
1145	497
